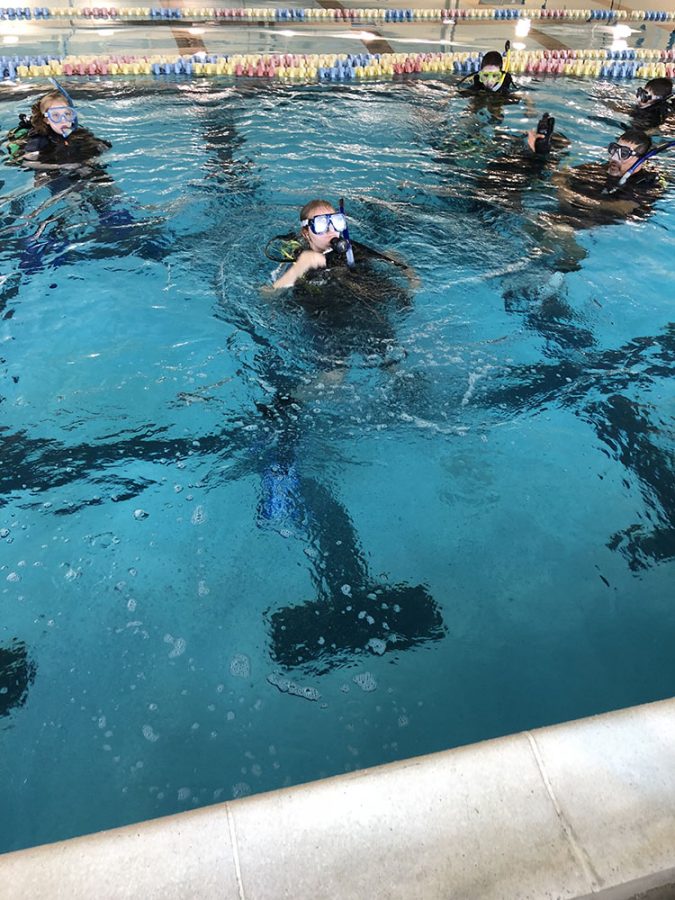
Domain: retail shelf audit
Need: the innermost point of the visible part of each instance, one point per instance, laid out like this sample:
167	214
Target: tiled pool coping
583	809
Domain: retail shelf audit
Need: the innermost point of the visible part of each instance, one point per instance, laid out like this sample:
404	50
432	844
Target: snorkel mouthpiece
341	245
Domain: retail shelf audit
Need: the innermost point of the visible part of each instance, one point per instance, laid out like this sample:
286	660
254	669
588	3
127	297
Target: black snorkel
342	244
636	165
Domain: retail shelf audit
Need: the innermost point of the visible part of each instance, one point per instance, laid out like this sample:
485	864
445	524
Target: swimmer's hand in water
308	260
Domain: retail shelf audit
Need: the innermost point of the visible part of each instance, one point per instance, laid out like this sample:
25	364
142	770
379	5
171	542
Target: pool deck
580	810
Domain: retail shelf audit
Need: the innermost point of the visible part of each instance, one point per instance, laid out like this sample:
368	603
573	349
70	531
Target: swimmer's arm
33	162
308	260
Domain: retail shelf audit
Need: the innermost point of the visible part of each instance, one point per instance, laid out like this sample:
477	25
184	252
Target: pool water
246	546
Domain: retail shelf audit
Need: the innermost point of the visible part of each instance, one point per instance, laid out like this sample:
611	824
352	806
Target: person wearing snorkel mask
323	243
492	78
56	139
596	193
654	104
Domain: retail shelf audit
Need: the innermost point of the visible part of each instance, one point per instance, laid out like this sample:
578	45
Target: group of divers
52	141
318	266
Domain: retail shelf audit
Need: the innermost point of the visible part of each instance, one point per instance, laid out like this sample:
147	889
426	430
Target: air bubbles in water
366	681
286	686
198	516
179	645
240	666
149	734
241	789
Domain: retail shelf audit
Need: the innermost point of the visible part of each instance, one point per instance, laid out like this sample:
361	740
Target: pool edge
581	809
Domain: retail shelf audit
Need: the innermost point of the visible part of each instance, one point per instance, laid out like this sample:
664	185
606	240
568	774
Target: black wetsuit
349	309
648	118
80	146
598	199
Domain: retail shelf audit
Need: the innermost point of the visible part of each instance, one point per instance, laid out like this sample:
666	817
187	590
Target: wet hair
491	58
37	113
660	87
641	141
310	208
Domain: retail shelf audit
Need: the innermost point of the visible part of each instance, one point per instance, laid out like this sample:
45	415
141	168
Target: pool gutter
579	810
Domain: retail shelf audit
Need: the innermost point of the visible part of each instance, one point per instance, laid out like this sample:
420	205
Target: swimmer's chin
614	170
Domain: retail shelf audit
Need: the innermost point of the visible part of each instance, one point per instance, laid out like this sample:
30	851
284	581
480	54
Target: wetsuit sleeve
35	143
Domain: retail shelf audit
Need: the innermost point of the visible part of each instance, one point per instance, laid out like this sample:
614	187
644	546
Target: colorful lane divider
359	15
623	64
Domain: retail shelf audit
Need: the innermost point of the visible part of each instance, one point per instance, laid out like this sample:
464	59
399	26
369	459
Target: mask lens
489	76
320	224
620	150
59	114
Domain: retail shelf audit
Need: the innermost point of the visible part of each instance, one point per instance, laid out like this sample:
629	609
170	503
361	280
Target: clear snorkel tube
636	165
349	253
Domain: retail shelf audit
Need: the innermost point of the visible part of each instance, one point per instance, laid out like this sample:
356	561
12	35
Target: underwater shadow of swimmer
352	613
17	673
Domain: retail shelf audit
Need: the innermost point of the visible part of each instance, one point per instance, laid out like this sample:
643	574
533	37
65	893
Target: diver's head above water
323	232
491	74
625	152
321	224
54	113
655	91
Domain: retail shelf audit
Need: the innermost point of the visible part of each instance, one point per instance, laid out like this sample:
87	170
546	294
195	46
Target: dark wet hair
641	141
491	58
660	87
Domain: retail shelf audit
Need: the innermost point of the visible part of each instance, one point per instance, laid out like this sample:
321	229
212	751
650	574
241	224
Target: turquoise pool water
242	546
